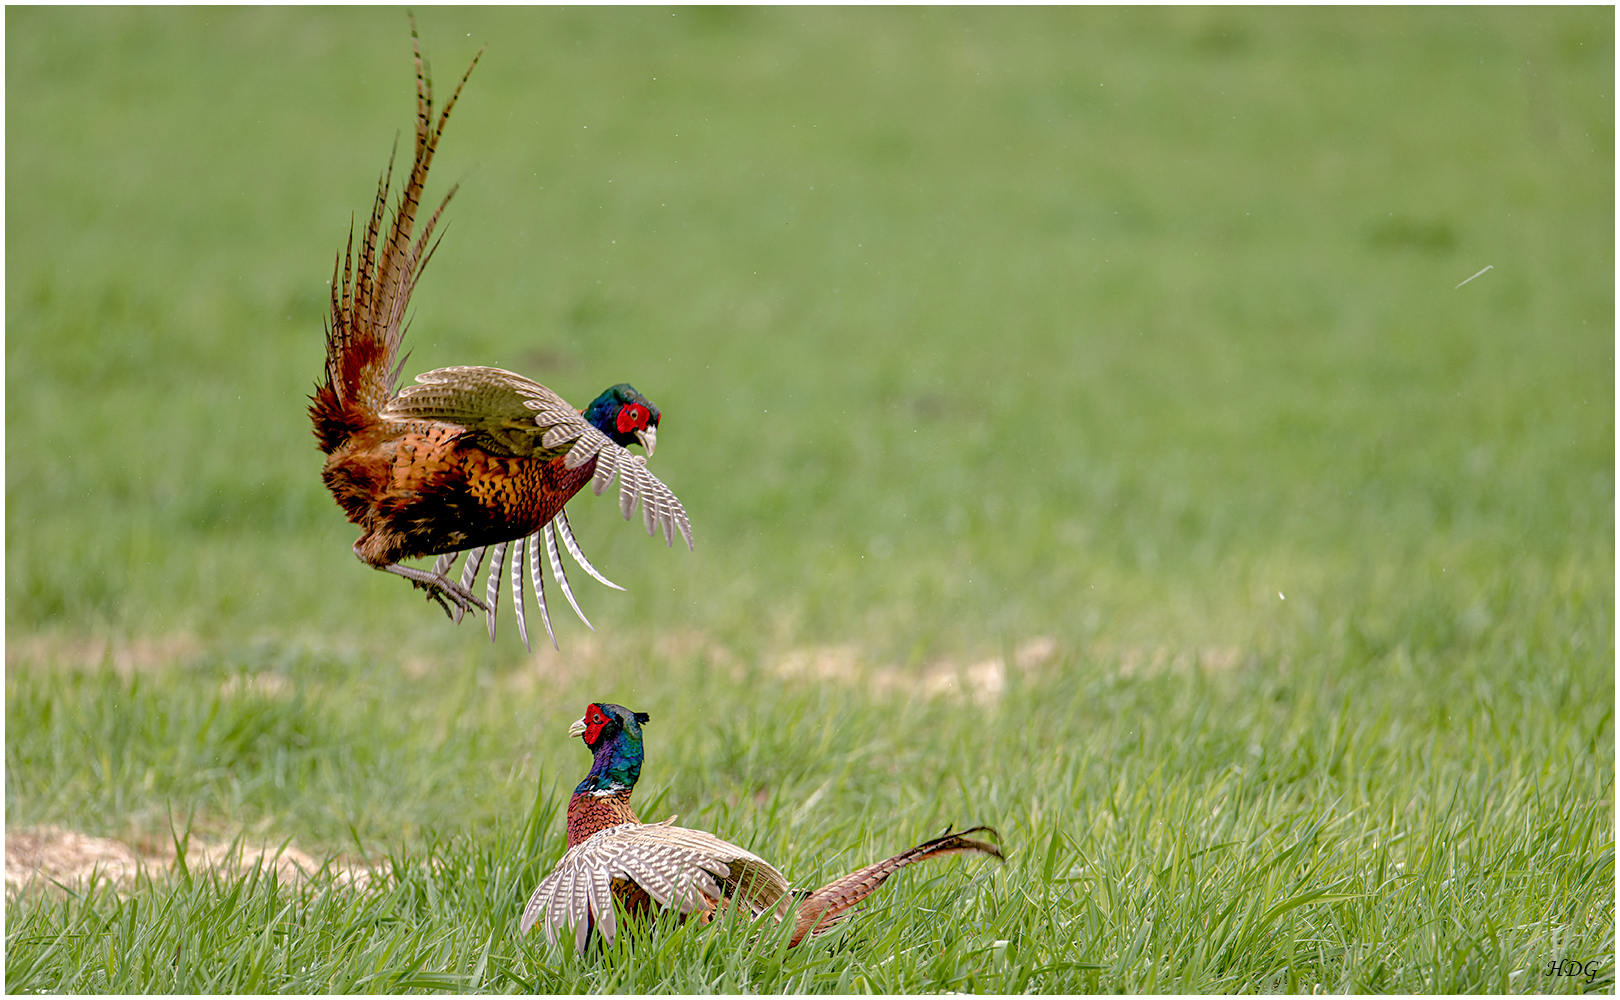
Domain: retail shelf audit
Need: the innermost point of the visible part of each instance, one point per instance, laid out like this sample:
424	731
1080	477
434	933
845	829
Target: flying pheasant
471	459
613	855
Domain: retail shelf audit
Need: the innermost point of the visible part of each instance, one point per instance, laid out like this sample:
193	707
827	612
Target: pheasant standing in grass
475	460
613	855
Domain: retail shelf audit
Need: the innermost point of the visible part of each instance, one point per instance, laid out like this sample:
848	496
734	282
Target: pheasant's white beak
578	728
648	436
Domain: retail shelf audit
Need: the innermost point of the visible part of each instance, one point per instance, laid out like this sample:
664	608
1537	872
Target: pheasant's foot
439	587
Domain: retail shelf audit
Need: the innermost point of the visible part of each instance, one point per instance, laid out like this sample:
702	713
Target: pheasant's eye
596	718
631	418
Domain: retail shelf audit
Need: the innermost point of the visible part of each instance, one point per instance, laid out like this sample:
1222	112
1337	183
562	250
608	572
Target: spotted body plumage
471	459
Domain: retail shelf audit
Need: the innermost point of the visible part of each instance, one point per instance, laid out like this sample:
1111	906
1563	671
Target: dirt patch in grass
124	655
48	856
1143	661
591	656
982	682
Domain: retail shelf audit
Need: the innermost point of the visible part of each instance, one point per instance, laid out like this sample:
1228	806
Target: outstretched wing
678	868
512	415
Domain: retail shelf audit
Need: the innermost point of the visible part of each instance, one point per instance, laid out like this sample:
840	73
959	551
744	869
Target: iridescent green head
613	735
626	416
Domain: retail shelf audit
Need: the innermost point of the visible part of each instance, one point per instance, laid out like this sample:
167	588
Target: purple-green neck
616	766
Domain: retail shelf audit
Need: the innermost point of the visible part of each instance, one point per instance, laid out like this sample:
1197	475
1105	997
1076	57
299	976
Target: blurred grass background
965	324
1137	330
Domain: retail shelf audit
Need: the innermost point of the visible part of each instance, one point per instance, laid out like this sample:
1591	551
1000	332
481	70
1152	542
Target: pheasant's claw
434	595
441	568
457	598
438	587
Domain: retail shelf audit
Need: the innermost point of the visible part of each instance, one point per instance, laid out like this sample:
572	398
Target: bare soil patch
983	682
48	856
126	656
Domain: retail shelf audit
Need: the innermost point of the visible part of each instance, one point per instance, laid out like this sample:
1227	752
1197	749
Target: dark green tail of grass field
1087	429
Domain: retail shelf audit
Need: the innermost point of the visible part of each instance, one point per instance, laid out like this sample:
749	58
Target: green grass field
1082	429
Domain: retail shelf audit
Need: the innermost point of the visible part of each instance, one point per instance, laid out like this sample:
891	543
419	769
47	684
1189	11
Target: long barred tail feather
370	294
834	901
697	873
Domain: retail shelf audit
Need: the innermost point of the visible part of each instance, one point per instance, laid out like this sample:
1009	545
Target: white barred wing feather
682	869
504	409
514	415
659	506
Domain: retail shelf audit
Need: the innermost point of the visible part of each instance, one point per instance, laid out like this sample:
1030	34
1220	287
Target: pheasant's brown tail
834	901
369	295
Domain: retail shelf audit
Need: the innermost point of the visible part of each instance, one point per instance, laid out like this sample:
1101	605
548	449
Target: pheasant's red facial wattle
632	417
595	720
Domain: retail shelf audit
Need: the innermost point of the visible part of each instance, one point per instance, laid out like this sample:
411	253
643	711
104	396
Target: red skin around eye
595	719
632	418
